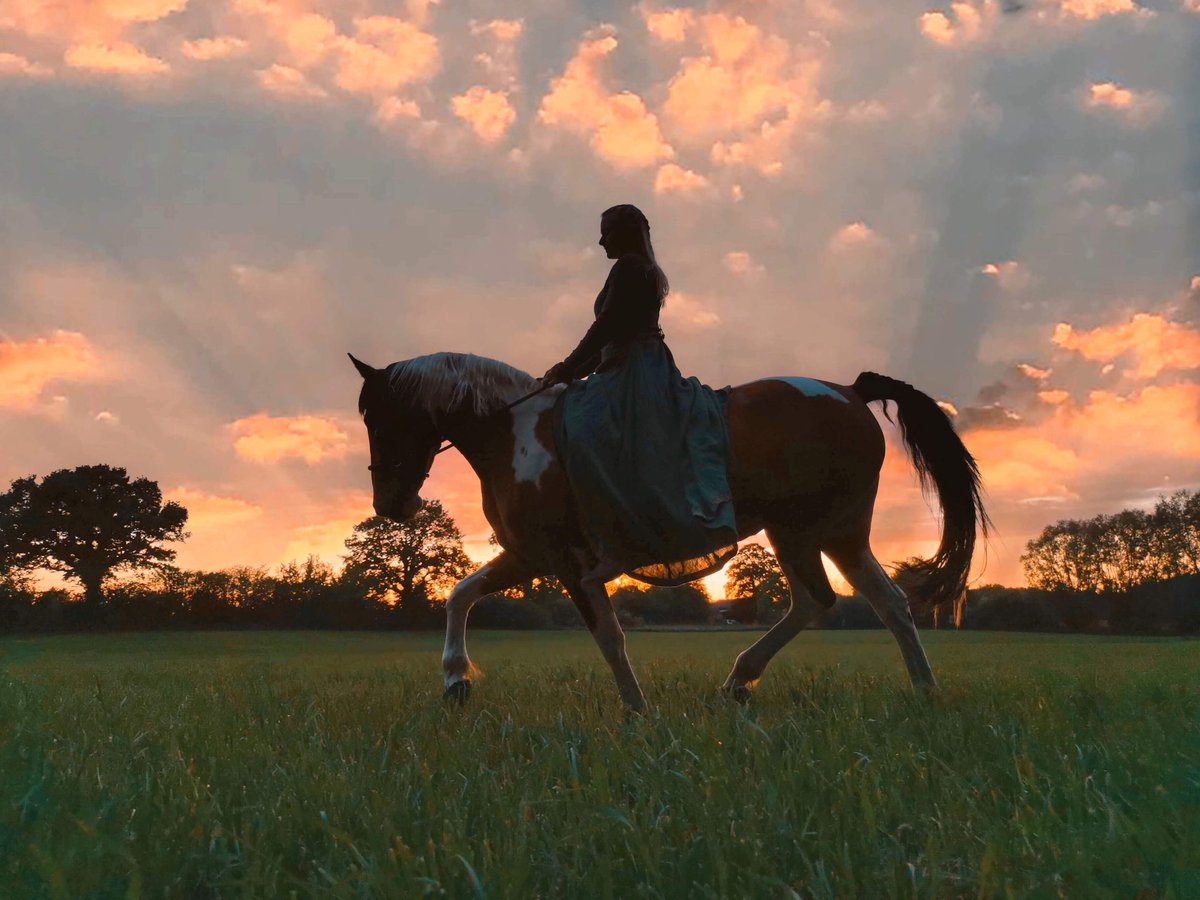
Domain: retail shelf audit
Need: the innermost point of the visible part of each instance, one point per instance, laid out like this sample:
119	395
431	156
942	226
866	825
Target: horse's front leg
586	587
502	572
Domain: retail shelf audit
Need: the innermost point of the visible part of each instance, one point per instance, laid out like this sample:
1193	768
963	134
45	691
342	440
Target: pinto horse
804	466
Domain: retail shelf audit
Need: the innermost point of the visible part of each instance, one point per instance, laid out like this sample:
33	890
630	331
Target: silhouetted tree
88	522
755	572
412	564
1120	551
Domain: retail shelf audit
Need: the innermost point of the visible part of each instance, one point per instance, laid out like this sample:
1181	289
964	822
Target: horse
805	458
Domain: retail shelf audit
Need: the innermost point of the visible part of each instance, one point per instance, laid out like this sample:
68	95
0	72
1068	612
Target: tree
412	564
1119	551
88	522
755	572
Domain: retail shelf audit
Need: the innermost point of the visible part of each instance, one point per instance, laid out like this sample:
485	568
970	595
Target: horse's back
800	442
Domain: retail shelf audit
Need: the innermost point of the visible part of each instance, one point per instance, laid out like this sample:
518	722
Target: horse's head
403	442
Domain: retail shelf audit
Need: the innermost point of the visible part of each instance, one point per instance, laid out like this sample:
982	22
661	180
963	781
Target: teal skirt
646	452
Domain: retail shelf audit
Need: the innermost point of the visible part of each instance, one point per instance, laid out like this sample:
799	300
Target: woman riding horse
645	449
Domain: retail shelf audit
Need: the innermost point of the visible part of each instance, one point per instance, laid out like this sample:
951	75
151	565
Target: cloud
326	539
108	417
669	25
689	313
28	367
266	438
79	20
118	58
207	511
1095	9
307	37
966	23
488	112
1010	275
384	55
1154	343
290	83
675	179
213	48
1033	372
739	262
744	95
12	64
621	130
1132	107
855	235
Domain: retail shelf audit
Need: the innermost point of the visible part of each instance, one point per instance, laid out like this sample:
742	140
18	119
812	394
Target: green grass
195	765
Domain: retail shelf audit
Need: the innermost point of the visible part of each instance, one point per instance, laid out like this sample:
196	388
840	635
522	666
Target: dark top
626	307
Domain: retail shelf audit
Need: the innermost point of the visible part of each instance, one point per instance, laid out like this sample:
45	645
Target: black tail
944	464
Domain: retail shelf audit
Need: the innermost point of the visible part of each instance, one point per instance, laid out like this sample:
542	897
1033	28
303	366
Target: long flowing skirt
646	453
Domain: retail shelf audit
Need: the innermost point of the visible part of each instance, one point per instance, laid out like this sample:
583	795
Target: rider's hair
626	215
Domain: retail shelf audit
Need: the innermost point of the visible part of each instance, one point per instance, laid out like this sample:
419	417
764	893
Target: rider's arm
614	320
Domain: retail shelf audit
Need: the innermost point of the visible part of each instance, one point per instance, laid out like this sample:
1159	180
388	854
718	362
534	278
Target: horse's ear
363	369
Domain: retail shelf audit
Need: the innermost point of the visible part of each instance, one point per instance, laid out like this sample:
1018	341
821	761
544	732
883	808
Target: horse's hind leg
863	571
585	582
811	595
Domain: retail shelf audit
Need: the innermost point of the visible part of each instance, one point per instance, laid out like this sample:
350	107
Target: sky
207	203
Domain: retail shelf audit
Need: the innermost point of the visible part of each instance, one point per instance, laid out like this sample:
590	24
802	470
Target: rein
448	444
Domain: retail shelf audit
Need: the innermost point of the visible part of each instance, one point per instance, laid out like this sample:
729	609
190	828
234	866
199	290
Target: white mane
443	382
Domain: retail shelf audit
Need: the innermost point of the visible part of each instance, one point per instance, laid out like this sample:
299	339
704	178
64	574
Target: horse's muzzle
400	510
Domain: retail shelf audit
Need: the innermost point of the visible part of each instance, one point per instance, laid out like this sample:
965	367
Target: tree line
109	534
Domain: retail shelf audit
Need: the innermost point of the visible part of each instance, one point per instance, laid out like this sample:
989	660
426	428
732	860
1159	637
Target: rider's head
624	229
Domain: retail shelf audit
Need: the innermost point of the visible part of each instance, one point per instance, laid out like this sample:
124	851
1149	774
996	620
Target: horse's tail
944	464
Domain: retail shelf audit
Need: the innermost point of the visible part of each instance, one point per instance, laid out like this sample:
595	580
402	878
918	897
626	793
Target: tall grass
326	765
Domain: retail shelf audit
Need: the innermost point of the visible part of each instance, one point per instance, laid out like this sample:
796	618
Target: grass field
277	764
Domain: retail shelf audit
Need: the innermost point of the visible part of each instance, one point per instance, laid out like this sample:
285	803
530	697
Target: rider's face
610	237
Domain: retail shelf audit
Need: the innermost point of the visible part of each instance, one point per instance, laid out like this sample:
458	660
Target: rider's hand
556	374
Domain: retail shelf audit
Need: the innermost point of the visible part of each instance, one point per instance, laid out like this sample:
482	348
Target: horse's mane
442	382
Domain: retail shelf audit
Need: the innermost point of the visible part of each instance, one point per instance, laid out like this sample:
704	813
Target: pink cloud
13	64
1154	342
209	511
290	83
622	131
675	179
205	49
1133	107
384	55
670	25
27	368
488	112
119	58
267	438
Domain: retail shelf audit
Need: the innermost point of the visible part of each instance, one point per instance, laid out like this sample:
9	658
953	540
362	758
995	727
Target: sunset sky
204	204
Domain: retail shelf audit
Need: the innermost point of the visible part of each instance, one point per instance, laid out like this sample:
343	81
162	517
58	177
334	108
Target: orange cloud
1095	9
12	64
674	179
28	367
307	37
487	112
621	129
290	83
79	20
1154	342
966	22
670	25
1134	107
744	95
686	312
213	48
207	511
739	262
384	55
118	58
1010	274
266	438
855	235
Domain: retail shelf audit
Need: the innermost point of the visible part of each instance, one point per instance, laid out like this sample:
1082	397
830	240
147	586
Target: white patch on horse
810	387
530	457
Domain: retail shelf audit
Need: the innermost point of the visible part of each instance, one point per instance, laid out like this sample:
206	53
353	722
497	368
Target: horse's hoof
458	692
740	693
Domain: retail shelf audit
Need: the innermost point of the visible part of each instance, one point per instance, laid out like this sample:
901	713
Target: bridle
393	466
